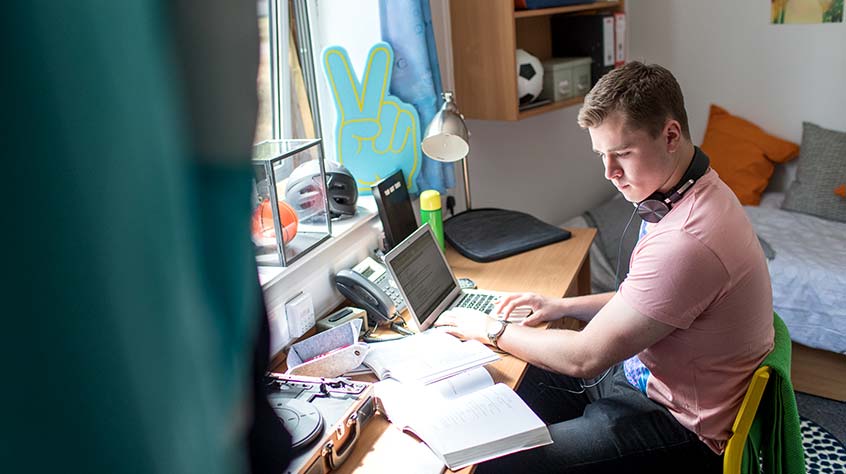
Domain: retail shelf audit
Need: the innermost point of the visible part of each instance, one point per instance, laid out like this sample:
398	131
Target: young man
655	379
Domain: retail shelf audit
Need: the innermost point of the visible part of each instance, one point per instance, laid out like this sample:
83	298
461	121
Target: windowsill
269	275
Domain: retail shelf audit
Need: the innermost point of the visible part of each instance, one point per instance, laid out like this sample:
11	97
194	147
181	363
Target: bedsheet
808	274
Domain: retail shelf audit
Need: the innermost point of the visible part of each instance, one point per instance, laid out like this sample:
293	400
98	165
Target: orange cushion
743	154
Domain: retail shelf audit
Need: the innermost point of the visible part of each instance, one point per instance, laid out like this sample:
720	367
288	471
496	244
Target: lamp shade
446	137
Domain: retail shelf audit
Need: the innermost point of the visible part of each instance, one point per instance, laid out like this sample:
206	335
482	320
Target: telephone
369	286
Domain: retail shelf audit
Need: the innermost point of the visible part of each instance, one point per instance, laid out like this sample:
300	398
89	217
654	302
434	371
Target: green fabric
775	432
131	296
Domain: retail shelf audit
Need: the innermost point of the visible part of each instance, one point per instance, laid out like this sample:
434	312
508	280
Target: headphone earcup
652	210
657	205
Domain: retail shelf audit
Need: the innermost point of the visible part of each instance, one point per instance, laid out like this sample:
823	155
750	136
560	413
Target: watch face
495	327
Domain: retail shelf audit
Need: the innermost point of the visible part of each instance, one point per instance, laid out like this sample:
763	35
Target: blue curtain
416	76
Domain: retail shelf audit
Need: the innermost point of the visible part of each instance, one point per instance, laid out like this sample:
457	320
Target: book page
462	384
427	357
404	403
483	425
399	403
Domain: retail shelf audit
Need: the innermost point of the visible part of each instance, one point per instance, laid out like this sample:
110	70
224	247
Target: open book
426	357
464	419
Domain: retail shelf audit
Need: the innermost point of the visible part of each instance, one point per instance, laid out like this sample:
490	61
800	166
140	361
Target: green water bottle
430	211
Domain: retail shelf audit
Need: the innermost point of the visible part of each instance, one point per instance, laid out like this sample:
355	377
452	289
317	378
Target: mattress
808	273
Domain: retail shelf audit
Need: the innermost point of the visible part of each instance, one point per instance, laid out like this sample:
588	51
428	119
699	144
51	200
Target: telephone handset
371	277
368	285
365	294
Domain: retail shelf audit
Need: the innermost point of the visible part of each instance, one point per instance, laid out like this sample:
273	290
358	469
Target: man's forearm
584	308
555	350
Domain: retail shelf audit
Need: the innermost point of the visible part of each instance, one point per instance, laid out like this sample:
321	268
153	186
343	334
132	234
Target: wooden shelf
550	107
569	9
485	36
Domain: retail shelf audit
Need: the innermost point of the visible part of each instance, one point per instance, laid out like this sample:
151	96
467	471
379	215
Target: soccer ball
529	77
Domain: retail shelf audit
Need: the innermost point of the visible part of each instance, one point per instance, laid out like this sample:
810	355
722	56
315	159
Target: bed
808	272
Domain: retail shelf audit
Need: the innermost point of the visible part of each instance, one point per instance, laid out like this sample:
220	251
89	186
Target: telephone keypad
383	281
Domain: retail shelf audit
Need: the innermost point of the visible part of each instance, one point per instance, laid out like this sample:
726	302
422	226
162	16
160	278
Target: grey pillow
821	169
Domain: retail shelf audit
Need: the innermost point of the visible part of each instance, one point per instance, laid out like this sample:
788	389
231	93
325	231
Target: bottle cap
430	200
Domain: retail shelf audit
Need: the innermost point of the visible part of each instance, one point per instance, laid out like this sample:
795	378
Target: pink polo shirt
702	270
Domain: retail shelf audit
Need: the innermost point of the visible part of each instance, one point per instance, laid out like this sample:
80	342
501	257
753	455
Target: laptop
427	283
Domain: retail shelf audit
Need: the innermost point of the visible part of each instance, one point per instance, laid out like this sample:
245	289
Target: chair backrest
740	430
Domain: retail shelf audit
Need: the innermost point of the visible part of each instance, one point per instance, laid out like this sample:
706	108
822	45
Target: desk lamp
447	139
482	235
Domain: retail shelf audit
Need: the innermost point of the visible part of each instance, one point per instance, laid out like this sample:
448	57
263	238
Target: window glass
351	24
285	106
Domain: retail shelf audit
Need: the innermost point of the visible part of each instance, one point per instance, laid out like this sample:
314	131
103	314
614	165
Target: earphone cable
620	251
616	287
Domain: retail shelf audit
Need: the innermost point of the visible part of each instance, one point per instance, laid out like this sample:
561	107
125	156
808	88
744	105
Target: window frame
280	90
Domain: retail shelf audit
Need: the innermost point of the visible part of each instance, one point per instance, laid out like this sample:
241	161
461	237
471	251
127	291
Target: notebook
427	283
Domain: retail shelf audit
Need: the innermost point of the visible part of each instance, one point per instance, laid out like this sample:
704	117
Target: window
290	63
293	34
286	83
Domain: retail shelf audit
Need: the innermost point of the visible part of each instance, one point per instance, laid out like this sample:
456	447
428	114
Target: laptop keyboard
479	301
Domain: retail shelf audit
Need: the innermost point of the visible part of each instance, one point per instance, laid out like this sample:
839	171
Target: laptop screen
421	272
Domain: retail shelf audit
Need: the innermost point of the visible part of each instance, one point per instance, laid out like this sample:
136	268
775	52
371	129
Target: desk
561	269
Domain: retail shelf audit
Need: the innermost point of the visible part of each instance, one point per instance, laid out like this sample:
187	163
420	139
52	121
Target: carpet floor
829	414
823	424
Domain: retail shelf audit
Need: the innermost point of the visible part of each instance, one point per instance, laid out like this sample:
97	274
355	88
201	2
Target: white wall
543	165
727	53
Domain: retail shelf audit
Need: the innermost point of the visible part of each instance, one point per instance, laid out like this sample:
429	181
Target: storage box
565	78
290	208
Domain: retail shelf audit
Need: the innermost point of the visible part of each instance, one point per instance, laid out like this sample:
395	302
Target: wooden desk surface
561	269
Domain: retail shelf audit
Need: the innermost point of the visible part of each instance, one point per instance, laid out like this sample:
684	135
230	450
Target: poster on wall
806	11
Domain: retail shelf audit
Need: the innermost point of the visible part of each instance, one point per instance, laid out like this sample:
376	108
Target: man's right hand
543	309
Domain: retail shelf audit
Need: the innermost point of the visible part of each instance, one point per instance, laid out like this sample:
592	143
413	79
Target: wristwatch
495	329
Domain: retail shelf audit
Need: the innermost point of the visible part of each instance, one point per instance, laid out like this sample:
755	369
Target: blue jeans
611	427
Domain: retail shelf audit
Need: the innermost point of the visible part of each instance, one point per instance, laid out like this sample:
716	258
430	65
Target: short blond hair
646	95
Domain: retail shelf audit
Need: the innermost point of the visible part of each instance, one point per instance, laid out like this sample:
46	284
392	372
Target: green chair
767	425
